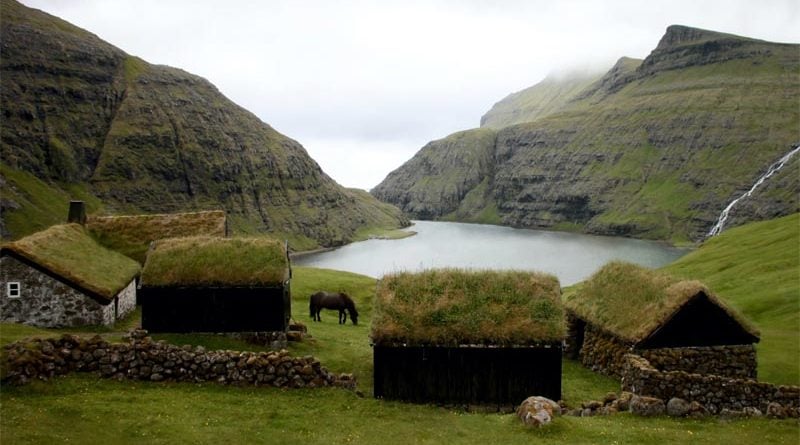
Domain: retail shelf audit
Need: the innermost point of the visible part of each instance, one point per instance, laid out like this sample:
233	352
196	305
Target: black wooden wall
215	309
479	375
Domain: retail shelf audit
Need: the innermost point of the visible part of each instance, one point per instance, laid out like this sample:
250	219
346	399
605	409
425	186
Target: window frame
14	293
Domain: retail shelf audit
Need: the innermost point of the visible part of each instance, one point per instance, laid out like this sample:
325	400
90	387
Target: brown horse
327	300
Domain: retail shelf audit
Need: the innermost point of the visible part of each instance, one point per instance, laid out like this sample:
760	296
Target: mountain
655	148
83	119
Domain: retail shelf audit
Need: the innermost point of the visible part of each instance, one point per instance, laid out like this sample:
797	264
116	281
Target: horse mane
351	305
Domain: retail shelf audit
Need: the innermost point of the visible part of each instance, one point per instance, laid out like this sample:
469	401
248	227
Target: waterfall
770	171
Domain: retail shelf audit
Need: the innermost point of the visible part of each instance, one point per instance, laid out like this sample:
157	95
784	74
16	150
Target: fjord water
571	257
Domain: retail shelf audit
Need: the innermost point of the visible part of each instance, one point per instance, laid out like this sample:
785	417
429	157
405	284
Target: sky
363	85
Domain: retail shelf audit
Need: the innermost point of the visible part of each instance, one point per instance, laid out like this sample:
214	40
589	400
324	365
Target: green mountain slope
756	268
542	99
653	149
80	115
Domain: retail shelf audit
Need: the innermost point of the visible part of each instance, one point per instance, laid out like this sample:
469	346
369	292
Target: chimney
77	213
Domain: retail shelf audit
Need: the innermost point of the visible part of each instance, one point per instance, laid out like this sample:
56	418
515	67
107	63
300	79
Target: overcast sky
363	85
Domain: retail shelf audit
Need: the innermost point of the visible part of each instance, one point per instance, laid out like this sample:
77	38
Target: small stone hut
675	325
61	277
477	337
210	284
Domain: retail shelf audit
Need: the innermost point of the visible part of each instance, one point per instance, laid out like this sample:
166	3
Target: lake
569	256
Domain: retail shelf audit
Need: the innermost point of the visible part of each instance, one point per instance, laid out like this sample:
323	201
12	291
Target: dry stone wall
140	358
737	361
603	353
716	393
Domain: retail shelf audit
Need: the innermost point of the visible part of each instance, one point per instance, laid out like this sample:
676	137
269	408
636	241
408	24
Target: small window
13	290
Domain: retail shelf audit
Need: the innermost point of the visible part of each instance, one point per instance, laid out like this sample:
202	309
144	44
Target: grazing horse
327	300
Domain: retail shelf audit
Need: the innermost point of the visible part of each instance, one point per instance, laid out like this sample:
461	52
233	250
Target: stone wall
126	300
714	392
45	301
737	361
140	358
603	353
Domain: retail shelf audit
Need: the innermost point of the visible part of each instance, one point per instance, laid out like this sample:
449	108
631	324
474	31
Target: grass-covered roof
68	252
131	235
455	306
632	302
204	261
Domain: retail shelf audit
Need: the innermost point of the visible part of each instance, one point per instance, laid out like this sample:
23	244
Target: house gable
699	322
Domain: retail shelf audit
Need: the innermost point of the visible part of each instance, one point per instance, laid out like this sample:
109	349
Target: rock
623	401
606	410
647	406
592	405
537	411
696	409
775	410
297	327
677	407
751	411
295	336
609	398
731	414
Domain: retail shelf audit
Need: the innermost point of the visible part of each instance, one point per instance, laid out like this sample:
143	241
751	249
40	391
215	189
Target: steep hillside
82	118
540	100
756	268
653	149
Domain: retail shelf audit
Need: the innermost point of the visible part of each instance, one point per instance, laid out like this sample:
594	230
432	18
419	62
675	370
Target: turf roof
204	261
632	302
132	234
450	307
69	252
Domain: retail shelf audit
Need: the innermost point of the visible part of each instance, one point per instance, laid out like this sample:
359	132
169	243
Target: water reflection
571	257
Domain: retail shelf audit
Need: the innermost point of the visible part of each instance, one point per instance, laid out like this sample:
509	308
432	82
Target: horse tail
311	305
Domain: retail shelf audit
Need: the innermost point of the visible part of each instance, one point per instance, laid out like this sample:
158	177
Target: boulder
537	411
677	407
647	406
623	401
776	410
696	409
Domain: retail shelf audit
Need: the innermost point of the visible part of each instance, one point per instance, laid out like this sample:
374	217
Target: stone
647	406
730	414
623	401
294	336
696	409
537	411
751	411
592	405
775	410
609	398
677	407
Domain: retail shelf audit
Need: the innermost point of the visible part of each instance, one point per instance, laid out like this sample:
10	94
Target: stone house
61	277
212	284
675	325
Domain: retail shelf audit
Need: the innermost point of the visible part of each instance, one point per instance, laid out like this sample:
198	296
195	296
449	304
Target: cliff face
653	149
81	116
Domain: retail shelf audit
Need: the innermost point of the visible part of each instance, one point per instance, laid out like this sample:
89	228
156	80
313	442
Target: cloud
371	76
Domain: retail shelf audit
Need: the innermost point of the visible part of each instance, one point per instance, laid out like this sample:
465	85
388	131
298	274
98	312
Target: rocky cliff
83	119
653	149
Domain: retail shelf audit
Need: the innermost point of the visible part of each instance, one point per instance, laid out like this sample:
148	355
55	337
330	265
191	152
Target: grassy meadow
85	409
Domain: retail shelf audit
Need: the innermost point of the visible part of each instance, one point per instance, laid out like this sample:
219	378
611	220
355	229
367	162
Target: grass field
85	409
756	268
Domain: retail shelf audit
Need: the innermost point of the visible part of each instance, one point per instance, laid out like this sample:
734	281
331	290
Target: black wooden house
467	337
208	284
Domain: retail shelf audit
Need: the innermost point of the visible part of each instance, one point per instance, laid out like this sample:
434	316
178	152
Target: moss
454	306
69	251
209	261
132	235
631	301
